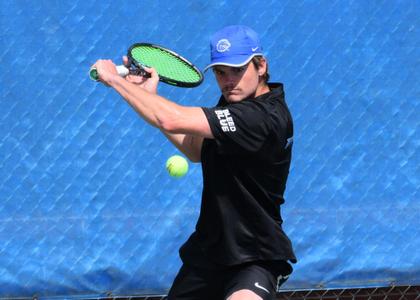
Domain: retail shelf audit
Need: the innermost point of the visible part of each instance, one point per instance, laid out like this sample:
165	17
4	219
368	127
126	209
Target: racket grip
122	71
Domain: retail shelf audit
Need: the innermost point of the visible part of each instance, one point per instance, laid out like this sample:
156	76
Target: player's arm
176	121
190	145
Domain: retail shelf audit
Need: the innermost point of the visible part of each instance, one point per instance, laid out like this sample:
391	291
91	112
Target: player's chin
234	97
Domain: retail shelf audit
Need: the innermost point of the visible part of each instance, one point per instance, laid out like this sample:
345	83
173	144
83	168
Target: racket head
172	68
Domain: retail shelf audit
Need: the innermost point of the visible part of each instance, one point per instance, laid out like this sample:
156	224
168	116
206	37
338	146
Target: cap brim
235	61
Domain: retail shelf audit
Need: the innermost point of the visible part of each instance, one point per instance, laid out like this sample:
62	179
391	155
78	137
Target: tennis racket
172	68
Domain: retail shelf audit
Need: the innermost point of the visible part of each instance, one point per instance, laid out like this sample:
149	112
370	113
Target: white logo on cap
223	45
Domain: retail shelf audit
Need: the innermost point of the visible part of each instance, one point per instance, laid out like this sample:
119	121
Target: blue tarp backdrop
86	205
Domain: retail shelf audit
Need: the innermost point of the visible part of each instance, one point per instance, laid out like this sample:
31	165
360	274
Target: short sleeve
239	127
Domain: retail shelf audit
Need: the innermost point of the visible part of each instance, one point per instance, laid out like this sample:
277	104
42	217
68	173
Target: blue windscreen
86	205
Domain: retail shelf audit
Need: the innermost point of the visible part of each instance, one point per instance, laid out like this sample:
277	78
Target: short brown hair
256	60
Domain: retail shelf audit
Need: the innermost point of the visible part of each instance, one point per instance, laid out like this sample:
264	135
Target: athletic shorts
263	278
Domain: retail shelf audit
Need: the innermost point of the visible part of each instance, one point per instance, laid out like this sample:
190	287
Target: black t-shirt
245	168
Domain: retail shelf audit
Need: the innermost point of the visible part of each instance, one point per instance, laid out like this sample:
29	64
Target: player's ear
262	66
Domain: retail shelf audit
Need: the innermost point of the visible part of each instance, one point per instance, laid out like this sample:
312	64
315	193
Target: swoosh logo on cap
254	49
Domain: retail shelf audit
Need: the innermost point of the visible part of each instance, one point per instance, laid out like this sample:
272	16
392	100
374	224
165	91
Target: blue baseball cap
233	46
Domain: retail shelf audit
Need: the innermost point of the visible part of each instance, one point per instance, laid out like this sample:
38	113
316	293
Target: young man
238	250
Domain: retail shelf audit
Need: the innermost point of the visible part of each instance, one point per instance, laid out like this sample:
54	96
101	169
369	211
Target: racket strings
165	63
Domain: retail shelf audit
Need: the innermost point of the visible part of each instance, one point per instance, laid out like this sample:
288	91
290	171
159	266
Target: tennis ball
177	166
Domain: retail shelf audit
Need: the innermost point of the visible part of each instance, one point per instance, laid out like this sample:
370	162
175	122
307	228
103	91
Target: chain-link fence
86	205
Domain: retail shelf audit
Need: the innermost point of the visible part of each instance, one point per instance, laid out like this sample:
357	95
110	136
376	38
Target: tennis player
238	250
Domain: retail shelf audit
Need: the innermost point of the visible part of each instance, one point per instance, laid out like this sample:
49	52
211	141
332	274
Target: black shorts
263	278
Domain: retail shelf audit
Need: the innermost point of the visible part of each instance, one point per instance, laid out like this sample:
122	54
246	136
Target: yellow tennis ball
177	166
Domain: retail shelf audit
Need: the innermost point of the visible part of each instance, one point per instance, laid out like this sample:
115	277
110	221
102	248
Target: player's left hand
150	84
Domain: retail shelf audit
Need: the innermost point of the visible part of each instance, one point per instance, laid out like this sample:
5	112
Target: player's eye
218	71
238	70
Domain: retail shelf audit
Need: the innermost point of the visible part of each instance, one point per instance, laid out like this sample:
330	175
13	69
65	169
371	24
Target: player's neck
262	89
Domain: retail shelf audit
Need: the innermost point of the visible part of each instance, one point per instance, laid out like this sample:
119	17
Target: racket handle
122	71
